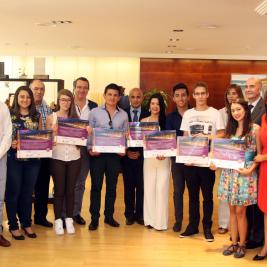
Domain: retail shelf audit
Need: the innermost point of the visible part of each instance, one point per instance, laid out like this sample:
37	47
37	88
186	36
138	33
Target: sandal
241	252
230	250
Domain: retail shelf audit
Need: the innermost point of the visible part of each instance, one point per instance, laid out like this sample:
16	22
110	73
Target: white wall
100	71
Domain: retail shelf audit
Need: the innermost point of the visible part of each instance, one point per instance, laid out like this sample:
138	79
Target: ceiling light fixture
177	30
171	46
261	9
209	26
174	39
54	23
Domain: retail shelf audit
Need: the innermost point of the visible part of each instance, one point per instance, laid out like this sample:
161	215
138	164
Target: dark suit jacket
144	114
258	111
91	104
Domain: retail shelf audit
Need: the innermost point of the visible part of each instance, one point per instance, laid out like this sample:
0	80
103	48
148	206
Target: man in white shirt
201	121
83	107
5	143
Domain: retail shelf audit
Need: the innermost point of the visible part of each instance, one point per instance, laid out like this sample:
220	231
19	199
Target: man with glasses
108	116
201	121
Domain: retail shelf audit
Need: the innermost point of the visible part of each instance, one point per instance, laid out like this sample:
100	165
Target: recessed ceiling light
177	30
54	23
209	26
261	9
174	39
171	45
169	52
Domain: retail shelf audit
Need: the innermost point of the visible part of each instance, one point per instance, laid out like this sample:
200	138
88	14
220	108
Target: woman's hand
160	157
260	158
93	154
14	144
213	166
121	154
245	171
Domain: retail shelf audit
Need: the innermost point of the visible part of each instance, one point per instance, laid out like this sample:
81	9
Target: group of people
243	199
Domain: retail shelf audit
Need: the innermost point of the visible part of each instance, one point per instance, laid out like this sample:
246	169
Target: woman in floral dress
239	187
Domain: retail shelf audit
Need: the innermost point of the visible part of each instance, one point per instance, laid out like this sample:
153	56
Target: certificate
228	153
34	144
108	141
162	143
137	131
72	131
193	150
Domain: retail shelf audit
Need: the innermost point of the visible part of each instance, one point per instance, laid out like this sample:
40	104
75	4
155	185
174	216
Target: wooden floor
125	246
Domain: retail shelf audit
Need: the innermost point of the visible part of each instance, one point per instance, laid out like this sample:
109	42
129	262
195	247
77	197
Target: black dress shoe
79	219
140	221
17	237
93	226
129	221
44	223
252	244
259	258
30	235
112	222
149	227
176	227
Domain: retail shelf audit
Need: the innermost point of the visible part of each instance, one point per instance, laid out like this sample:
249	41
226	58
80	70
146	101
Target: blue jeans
21	179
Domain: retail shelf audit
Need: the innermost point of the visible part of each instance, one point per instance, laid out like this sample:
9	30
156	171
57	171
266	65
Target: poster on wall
240	79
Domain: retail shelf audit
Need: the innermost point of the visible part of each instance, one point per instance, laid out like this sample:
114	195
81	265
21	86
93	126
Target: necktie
250	107
135	117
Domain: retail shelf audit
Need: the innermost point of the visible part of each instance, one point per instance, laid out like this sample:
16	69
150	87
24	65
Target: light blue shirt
99	118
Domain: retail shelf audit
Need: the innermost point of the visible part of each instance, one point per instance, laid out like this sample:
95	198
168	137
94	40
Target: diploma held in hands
72	131
34	144
108	141
192	150
137	130
162	143
228	153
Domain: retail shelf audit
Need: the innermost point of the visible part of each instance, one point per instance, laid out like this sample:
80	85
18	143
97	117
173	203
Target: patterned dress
237	189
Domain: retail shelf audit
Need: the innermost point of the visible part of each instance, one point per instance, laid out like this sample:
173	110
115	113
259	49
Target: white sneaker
69	226
59	227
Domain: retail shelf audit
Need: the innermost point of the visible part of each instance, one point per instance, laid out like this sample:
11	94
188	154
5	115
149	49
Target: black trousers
107	164
64	174
178	176
41	191
133	179
255	224
200	178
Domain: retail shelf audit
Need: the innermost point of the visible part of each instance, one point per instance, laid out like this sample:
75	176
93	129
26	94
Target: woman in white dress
156	174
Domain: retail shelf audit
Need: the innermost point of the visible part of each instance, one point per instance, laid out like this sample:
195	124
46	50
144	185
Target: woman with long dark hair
156	174
262	187
232	93
239	187
65	165
21	174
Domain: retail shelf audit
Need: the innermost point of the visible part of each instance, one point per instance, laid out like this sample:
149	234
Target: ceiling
139	28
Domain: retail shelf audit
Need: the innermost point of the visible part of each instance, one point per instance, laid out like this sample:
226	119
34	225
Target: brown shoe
4	242
222	230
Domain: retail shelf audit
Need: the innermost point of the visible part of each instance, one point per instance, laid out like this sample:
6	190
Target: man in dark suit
254	215
132	165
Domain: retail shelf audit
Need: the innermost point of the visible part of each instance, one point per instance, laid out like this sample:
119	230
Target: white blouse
64	152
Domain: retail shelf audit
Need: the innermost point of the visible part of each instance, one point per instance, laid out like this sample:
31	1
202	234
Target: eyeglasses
110	124
64	100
